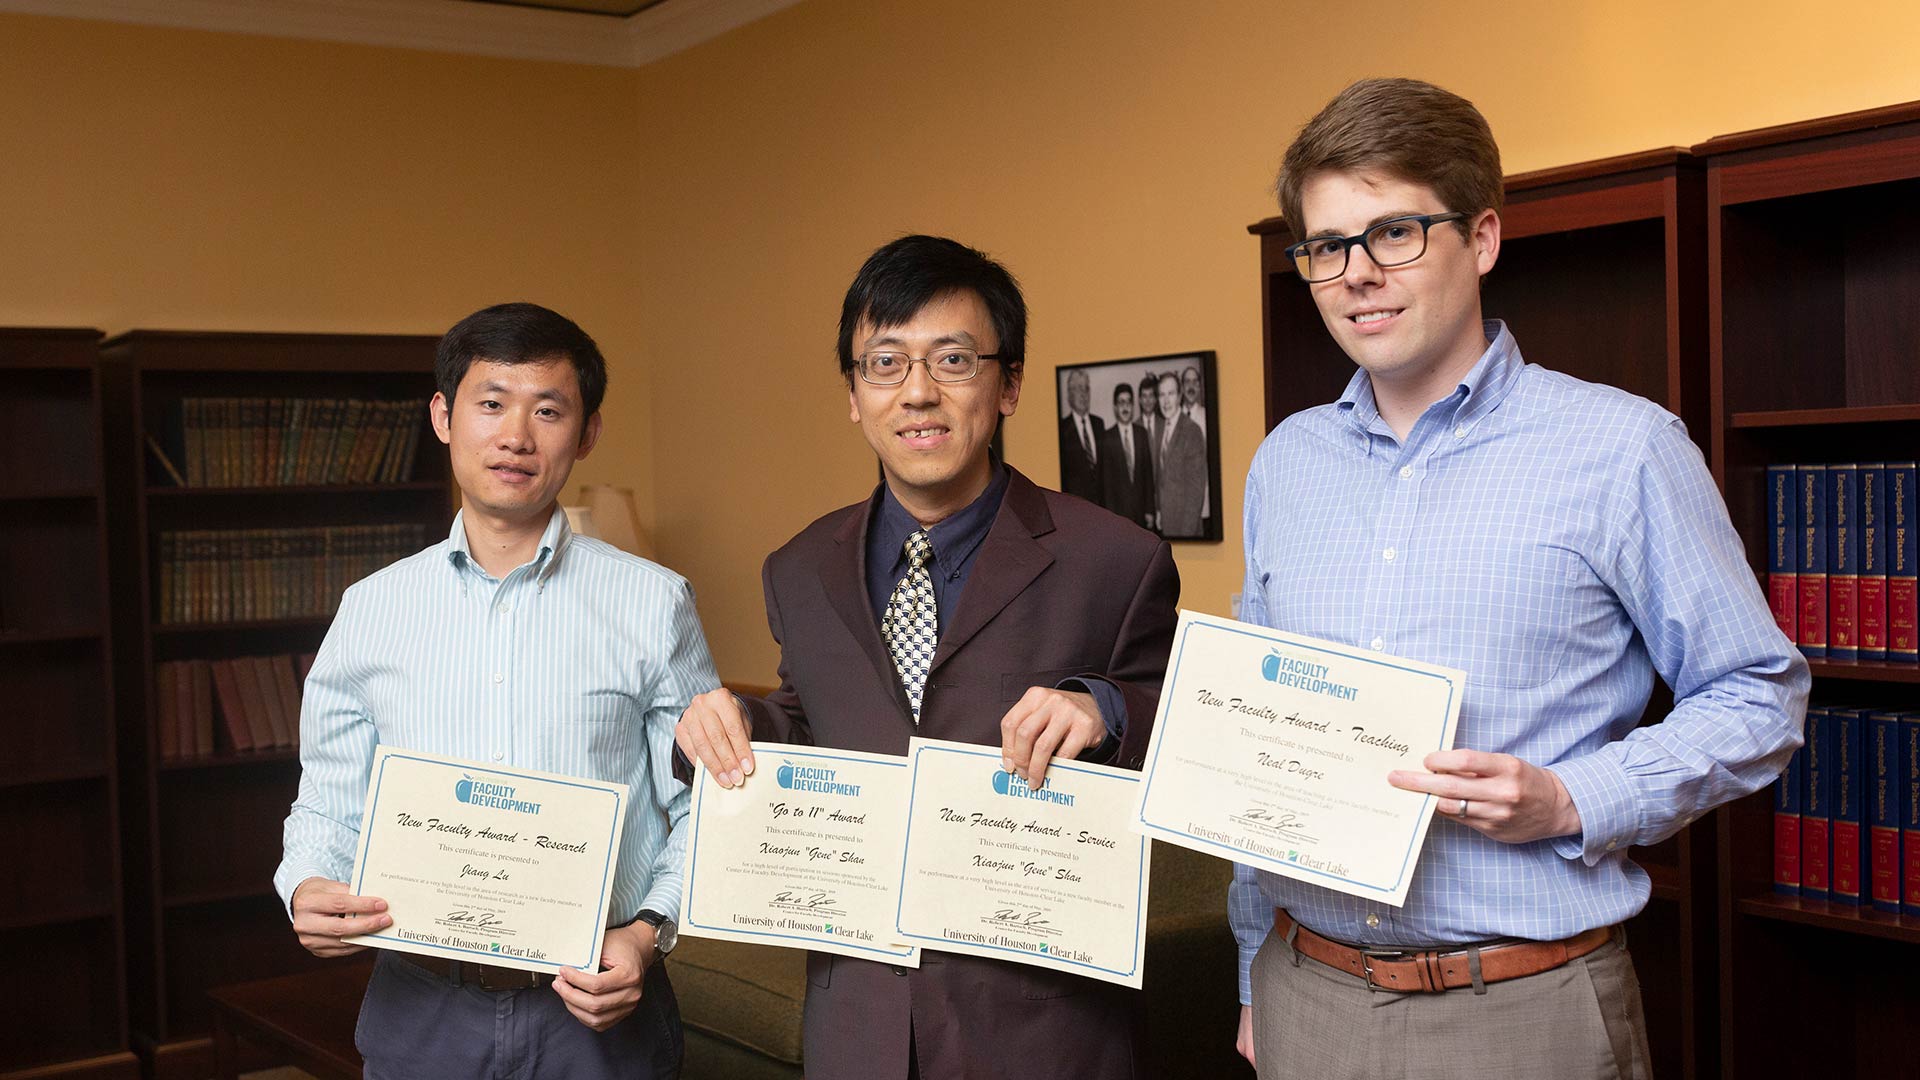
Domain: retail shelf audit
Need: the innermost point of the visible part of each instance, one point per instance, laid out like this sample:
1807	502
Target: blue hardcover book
1816	807
1783	537
1849	790
1903	559
1872	610
1786	825
1810	560
1886	788
1843	562
1910	814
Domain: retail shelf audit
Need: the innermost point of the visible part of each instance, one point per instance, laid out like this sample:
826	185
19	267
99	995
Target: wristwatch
666	933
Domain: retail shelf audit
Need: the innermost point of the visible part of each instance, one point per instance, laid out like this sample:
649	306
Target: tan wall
1112	154
177	179
702	216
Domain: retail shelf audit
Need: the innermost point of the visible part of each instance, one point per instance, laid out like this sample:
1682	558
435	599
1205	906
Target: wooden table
307	1019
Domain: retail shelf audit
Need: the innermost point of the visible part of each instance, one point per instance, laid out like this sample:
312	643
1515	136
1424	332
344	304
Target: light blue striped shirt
1560	542
579	662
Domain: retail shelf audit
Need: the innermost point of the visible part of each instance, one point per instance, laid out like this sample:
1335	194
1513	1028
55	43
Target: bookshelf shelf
1865	671
1844	918
165	491
1857	414
205	826
60	837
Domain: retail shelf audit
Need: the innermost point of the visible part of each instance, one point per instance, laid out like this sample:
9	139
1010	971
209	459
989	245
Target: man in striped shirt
1561	542
512	641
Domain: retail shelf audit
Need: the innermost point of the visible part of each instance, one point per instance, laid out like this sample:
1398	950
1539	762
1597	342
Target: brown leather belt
484	976
1437	971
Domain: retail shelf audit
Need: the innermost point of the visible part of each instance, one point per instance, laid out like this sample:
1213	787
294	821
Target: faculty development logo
1014	786
497	796
813	778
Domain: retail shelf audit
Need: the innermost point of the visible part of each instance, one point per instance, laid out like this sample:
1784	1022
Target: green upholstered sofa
741	1003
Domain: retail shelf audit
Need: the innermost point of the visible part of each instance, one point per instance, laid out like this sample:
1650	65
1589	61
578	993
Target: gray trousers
1582	1019
414	1024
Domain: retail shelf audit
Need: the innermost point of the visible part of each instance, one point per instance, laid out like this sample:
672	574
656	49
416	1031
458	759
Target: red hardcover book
202	707
1816	808
232	710
167	709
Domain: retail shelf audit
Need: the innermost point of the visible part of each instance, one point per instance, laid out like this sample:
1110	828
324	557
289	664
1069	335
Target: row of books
1846	813
1841	559
239	575
279	442
256	700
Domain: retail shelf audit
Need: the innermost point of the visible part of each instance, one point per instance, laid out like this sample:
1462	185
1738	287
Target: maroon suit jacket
1059	588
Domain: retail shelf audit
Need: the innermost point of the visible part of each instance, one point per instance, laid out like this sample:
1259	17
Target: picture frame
1174	487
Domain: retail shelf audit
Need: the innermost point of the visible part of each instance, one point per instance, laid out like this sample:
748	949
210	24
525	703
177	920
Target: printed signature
1030	920
803	899
483	920
1285	819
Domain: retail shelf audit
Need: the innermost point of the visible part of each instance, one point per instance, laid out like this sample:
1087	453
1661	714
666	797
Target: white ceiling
611	33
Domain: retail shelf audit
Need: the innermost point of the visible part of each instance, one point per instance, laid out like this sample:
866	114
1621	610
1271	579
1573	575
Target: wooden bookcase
204	832
1602	275
1814	269
59	826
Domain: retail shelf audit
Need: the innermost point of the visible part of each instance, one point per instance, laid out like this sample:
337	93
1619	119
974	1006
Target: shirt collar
1485	385
553	541
953	539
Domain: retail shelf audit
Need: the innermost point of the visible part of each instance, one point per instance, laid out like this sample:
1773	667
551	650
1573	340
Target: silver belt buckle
1367	956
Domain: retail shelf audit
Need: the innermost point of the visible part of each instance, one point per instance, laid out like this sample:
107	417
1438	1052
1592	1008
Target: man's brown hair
1409	129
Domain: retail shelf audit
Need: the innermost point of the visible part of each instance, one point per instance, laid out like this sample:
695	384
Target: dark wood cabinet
1602	275
60	916
1814	241
204	829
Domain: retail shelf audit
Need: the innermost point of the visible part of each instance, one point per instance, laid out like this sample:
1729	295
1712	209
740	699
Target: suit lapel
1009	560
844	577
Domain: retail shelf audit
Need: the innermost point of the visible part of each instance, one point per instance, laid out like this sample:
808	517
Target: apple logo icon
463	788
1270	667
1001	781
785	776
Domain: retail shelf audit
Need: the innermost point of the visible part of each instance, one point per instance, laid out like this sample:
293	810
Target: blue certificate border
1234	853
606	870
1140	907
693	866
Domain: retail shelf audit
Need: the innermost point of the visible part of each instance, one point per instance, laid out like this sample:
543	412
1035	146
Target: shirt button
498	756
504	608
1460	433
1373	921
1406	472
497	677
1611	844
1388	554
1378	644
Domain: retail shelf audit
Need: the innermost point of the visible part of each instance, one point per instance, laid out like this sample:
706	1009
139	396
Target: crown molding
449	26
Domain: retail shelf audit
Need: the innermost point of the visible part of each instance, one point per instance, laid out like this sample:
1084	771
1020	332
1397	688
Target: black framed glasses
1394	242
885	368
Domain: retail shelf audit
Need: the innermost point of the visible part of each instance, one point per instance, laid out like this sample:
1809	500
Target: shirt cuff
1603	794
290	878
1113	713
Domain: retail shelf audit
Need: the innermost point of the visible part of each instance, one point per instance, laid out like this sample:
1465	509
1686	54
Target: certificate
805	853
1050	877
1273	750
496	866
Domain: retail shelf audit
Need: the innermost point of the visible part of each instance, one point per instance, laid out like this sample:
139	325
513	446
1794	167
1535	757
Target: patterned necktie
910	626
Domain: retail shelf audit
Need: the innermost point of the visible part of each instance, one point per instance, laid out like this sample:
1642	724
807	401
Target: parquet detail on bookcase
1602	275
61	920
263	474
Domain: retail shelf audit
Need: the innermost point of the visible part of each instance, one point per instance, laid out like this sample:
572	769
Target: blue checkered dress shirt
1560	542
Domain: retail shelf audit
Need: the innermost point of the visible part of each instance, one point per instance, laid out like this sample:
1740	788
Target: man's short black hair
520	334
913	271
1122	388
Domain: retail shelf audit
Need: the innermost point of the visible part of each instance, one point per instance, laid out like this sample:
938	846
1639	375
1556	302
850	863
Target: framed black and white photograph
1141	437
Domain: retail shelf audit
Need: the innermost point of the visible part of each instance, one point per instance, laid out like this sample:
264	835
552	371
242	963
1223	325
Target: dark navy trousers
415	1025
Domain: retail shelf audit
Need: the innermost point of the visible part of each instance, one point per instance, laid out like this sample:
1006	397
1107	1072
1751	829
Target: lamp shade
615	517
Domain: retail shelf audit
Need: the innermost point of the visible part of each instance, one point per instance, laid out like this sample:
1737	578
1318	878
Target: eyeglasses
945	365
1394	242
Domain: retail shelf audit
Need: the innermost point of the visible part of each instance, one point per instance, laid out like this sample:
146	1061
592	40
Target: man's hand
713	732
1243	1042
603	1000
1044	724
1498	794
324	912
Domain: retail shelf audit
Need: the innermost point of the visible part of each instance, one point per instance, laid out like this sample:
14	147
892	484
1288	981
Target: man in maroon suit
959	601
